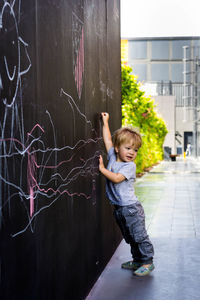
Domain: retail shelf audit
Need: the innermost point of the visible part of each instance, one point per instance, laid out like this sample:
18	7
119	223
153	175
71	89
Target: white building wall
184	122
178	119
166	109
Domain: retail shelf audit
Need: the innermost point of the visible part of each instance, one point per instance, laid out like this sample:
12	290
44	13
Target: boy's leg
135	251
140	240
136	262
134	225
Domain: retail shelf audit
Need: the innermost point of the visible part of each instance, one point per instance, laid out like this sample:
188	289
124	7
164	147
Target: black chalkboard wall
59	68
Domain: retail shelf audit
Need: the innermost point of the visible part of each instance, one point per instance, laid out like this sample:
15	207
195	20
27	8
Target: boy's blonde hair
127	134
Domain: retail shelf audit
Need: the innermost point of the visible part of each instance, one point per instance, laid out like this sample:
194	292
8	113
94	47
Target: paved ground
170	194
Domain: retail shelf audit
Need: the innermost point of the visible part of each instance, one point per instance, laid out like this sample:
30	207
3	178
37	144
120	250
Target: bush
138	111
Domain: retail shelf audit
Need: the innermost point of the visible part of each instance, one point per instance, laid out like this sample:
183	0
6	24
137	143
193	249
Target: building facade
168	68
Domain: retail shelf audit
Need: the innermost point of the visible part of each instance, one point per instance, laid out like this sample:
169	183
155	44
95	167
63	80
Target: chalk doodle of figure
44	175
11	71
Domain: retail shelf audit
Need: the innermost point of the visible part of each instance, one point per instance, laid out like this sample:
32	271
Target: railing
175	89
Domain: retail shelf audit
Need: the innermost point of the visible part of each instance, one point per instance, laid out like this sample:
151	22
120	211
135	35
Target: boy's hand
114	177
101	164
107	138
105	117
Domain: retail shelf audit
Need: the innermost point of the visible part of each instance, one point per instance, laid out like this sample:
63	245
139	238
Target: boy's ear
116	149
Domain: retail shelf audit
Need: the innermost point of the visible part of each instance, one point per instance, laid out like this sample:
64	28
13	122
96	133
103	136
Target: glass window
140	70
160	50
137	50
177	72
177	48
197	48
159	72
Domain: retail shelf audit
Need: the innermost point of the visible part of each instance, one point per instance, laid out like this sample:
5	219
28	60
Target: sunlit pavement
170	194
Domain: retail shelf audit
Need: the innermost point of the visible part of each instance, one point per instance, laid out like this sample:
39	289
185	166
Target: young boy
128	211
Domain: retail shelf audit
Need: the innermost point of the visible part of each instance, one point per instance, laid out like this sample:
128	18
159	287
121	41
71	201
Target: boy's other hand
101	164
105	117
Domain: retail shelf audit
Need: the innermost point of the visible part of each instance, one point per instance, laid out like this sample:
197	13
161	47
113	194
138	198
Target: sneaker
131	265
143	271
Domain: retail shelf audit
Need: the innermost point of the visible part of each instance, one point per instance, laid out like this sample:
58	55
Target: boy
128	211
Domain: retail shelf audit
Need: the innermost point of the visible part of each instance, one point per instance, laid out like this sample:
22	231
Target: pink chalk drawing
30	182
78	52
79	66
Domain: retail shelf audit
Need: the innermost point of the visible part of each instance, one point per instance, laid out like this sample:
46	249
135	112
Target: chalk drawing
44	176
116	12
78	52
11	71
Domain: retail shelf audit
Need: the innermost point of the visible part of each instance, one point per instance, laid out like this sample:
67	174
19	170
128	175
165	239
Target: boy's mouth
129	157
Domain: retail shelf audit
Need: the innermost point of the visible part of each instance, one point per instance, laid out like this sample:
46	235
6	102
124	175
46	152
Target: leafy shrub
138	111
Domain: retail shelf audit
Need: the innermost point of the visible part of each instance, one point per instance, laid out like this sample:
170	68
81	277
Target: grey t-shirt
122	193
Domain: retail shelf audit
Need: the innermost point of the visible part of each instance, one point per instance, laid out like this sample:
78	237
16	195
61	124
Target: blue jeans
131	221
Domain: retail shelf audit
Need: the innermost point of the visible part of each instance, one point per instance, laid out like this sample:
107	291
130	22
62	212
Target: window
137	50
177	49
159	72
160	50
197	48
177	72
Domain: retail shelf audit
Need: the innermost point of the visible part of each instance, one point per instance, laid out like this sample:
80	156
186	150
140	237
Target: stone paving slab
170	194
176	276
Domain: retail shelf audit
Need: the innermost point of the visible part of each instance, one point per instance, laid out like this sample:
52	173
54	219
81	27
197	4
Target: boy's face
126	152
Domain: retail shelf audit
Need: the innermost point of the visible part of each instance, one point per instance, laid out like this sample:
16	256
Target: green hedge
138	111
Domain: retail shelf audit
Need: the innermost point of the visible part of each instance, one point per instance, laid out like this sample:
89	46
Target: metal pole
184	81
195	107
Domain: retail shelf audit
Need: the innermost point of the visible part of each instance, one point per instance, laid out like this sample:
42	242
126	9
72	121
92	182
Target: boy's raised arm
107	138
